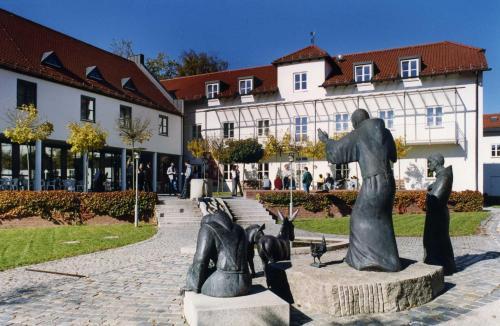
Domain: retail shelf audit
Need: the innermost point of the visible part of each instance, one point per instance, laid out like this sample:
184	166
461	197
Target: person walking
148	177
141	176
320	182
306	179
278	183
187	181
235	178
266	183
172	179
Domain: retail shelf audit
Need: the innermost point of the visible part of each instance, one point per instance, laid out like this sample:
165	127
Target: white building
431	95
490	154
72	81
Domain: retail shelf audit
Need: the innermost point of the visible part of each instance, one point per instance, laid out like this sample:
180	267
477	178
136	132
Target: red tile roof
23	42
310	52
436	58
491	121
192	88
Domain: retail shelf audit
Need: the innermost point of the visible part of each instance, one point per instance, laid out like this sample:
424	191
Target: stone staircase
249	211
172	210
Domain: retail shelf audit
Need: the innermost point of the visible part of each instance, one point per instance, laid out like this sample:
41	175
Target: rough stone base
339	290
260	307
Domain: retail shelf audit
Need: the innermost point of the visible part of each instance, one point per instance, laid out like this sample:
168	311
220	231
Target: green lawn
25	246
221	194
405	225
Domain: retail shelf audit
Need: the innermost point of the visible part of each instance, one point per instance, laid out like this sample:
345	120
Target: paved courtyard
139	285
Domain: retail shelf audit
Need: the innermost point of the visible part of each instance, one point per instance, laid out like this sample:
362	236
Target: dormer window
50	58
212	90
128	84
300	81
93	73
246	86
410	68
363	73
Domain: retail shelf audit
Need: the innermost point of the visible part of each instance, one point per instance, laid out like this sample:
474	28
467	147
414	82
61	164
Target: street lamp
136	211
291	158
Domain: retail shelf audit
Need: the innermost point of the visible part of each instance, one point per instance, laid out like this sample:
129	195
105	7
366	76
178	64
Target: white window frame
212	90
412	72
262	169
434	120
163	127
247	86
226	171
301	82
230	130
343	169
495	150
341	122
388	118
262	129
363	76
300	133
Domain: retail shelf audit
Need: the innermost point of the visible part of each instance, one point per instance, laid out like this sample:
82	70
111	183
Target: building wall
60	105
490	165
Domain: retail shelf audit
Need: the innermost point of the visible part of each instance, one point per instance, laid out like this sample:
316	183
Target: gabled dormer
50	58
93	73
128	84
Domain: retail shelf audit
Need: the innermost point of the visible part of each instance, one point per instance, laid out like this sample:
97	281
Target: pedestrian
141	174
286	182
187	181
306	179
329	182
238	180
266	183
278	183
148	177
235	178
320	182
172	179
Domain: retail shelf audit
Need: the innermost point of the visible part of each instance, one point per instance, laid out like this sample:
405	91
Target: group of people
173	177
322	183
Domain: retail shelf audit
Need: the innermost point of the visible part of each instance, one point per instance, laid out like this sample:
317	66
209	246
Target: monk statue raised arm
372	244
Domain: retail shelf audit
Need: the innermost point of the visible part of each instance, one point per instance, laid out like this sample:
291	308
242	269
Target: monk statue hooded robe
372	244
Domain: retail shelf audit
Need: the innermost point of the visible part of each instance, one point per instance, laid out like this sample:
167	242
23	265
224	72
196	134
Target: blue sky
255	32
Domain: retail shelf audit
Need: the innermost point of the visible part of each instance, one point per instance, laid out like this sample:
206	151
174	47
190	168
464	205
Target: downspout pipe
476	158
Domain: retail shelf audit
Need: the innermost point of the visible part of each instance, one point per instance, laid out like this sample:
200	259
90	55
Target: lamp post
136	210
291	158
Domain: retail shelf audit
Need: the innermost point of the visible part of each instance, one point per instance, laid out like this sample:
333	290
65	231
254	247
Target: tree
218	151
123	48
315	151
132	132
194	63
25	128
402	150
199	149
162	67
244	151
84	138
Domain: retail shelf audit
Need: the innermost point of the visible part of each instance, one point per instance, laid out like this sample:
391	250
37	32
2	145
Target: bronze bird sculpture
317	250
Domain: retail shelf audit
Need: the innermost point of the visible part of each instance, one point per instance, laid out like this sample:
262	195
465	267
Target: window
125	116
435	117
263	127
409	68
301	129
300	81
87	109
246	86
163	127
363	73
6	159
341	122
26	93
228	129
430	174
196	132
212	90
227	171
388	117
341	171
262	170
495	150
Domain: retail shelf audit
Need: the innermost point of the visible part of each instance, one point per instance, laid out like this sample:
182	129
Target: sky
256	32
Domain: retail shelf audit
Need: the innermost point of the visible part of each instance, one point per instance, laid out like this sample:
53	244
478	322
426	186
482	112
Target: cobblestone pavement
139	285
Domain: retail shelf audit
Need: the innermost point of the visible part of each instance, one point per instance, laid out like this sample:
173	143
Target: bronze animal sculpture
254	232
437	244
317	250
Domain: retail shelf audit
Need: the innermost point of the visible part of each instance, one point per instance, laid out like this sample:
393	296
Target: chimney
137	58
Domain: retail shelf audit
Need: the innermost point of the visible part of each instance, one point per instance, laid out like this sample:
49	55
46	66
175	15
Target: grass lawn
221	194
405	225
26	246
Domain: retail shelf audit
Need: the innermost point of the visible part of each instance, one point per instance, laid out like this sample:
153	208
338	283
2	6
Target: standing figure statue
437	244
220	267
372	244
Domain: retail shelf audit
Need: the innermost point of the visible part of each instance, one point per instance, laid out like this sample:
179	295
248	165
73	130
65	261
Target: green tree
25	128
84	138
199	149
244	151
162	67
194	63
219	153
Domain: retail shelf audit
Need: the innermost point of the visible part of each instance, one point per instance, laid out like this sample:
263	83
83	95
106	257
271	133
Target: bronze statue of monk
372	244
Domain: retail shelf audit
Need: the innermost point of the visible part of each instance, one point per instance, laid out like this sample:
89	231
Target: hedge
65	207
462	201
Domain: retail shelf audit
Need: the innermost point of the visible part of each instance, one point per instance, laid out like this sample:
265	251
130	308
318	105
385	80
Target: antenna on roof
313	37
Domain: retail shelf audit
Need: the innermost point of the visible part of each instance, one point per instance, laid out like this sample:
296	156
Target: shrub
466	201
65	207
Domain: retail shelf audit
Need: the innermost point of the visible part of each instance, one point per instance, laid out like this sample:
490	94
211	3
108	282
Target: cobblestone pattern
139	285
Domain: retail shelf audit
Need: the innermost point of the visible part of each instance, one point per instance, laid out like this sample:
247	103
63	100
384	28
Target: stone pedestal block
340	290
260	307
200	188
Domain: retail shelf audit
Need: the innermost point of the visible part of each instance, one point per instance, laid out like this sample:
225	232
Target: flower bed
340	202
63	207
